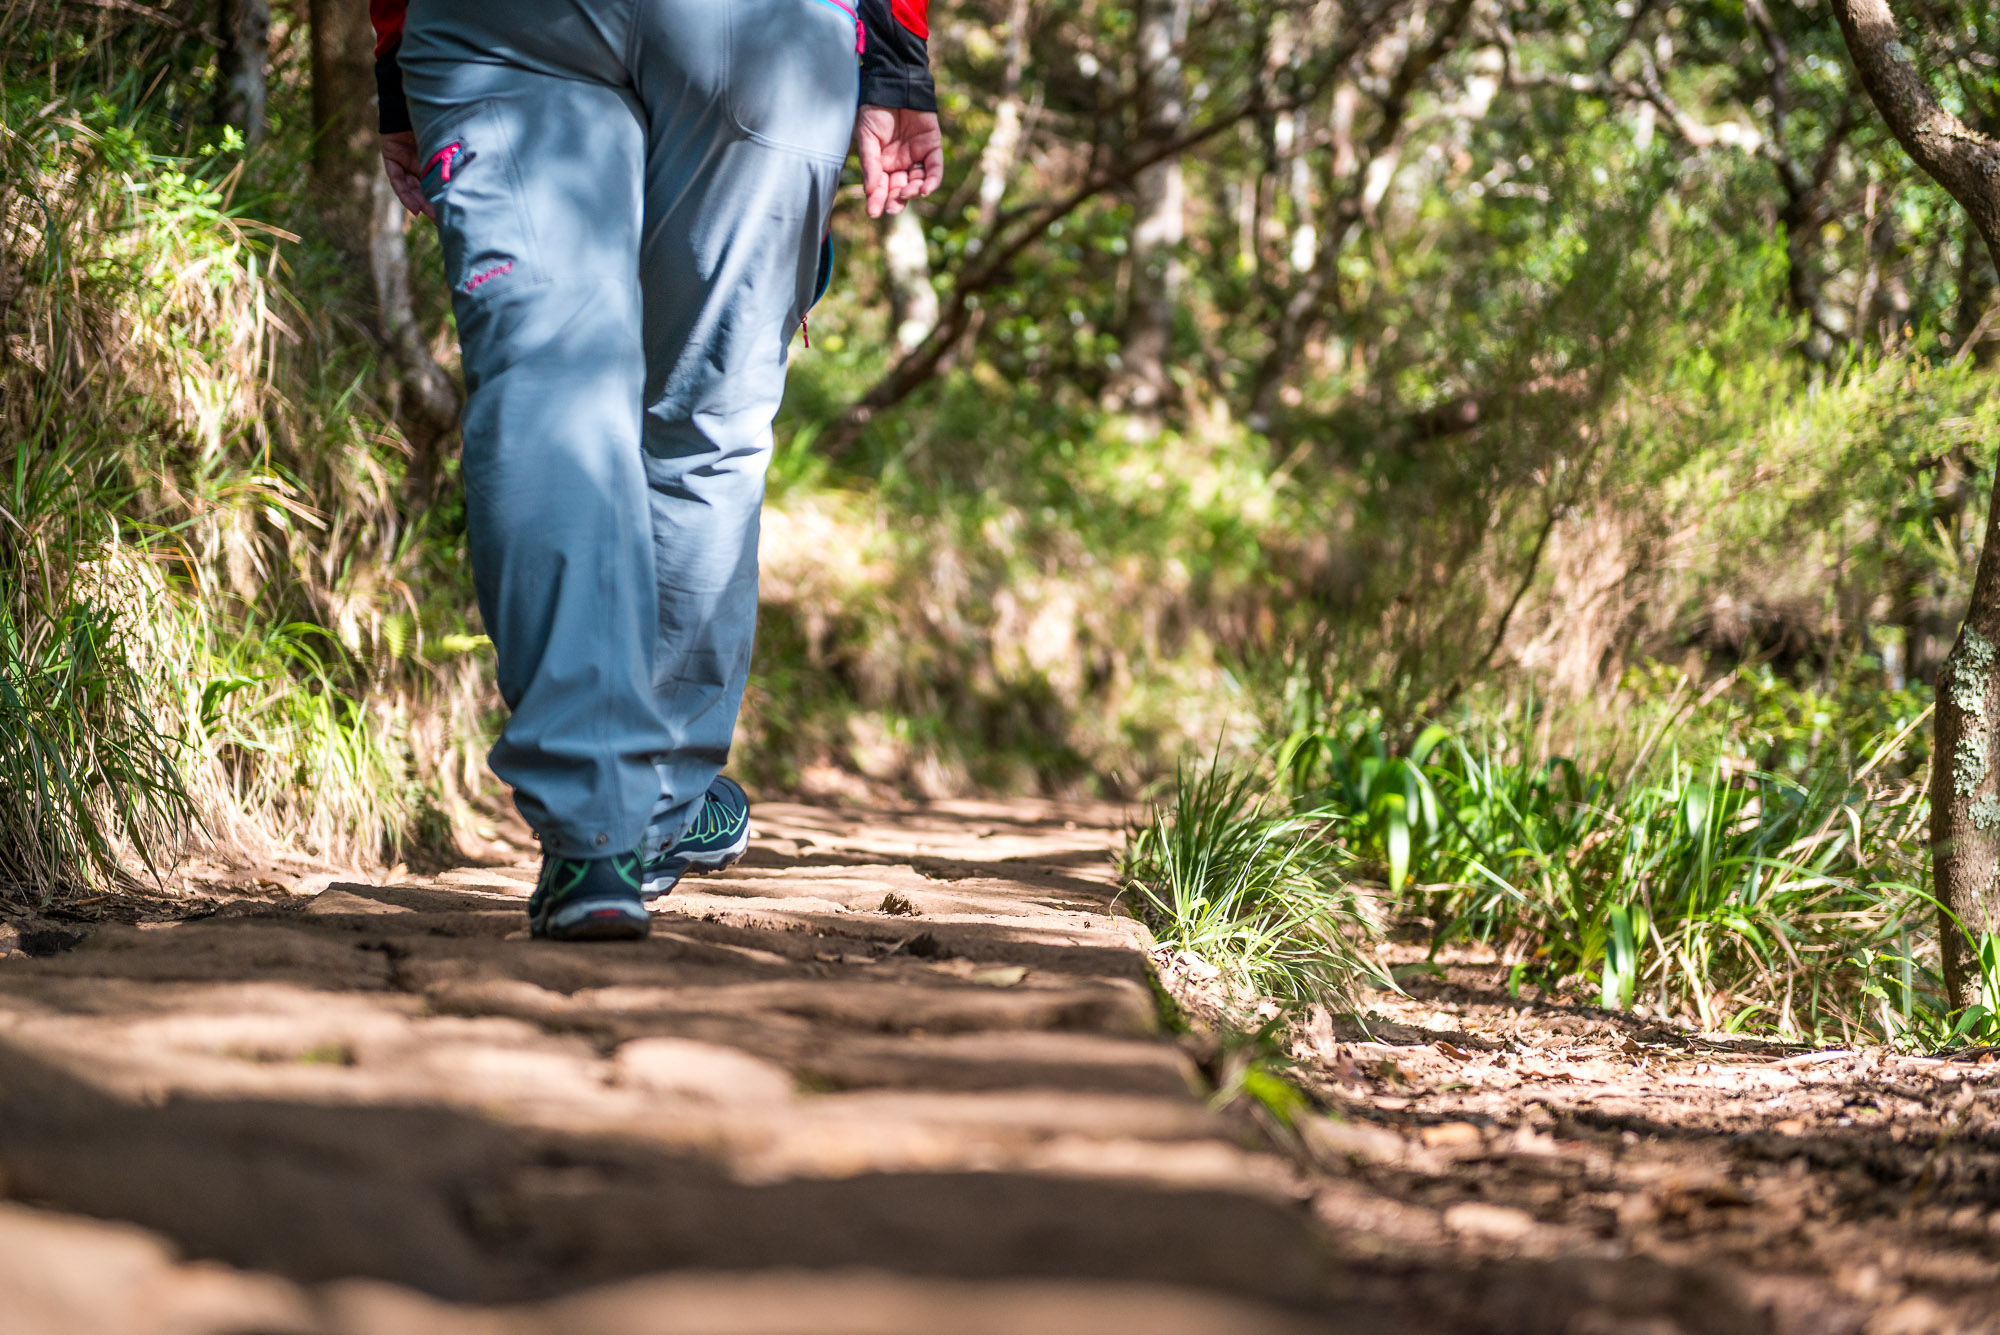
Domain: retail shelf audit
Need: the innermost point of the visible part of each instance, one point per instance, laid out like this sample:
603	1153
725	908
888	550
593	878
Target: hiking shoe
718	837
594	899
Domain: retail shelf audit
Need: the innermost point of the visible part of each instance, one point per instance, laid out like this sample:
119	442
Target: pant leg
749	106
537	148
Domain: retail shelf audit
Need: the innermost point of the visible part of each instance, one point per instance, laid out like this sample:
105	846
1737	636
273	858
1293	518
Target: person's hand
902	156
399	160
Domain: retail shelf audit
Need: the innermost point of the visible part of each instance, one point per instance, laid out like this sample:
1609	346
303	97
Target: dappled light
889	666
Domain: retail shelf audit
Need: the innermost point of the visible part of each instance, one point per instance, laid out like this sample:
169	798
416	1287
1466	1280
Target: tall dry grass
222	626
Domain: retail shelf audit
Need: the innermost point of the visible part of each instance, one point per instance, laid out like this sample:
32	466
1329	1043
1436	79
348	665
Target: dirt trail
898	1072
1735	1185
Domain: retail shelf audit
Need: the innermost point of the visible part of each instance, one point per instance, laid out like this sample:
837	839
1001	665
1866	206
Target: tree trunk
1801	217
1804	211
1965	762
345	156
1305	310
426	400
363	217
1965	797
243	29
913	302
1159	196
1003	146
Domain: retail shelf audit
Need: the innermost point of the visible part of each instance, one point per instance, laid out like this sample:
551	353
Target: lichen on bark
1971	669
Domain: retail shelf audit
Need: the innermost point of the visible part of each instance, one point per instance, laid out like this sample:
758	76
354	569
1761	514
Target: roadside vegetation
1757	869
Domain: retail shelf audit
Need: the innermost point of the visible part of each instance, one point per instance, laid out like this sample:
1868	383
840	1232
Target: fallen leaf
1007	976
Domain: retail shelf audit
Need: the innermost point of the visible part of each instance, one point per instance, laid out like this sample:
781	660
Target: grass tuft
1257	893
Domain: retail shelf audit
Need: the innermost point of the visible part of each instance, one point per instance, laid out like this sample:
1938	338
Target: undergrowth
218	626
1665	871
1556	430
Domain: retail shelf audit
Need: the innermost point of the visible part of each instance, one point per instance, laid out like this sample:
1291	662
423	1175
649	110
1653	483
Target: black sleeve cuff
891	86
895	62
390	103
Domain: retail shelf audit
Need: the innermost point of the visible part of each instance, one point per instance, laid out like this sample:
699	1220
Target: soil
911	1071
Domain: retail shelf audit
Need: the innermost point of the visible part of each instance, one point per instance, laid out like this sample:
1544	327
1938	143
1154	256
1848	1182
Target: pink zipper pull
806	332
445	155
860	36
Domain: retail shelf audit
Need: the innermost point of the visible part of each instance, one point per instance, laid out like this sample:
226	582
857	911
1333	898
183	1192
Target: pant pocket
472	177
794	76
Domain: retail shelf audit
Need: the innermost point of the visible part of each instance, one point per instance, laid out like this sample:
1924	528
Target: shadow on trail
133	1087
471	1208
474	1209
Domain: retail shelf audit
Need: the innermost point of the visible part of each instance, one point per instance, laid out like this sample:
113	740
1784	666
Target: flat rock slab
896	1072
65	1275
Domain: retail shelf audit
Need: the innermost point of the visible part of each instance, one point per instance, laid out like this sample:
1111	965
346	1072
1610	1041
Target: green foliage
1708	888
215	620
1254	892
1908	998
1386	802
85	777
1252	1067
90	787
1572	392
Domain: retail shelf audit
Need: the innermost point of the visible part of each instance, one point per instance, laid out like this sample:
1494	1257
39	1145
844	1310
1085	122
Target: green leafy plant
1710	889
1910	997
1387	802
85	776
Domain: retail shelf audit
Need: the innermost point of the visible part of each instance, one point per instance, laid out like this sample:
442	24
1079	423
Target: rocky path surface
910	1072
901	1074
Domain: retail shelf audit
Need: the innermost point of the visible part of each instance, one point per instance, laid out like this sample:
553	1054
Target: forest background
1502	472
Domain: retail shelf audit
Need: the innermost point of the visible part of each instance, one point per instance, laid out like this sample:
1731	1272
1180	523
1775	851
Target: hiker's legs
696	146
541	219
742	163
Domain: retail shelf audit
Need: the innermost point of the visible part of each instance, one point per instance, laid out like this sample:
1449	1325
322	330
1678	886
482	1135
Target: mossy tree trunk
1965	779
1965	764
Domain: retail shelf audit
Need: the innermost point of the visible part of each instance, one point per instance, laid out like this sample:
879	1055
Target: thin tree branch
1959	158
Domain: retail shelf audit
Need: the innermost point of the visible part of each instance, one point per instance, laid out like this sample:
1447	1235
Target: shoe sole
660	887
611	922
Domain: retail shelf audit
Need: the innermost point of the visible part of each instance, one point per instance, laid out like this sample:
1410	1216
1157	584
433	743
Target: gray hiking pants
631	196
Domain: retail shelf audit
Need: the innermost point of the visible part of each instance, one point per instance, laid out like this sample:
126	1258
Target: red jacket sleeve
896	63
394	111
387	16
